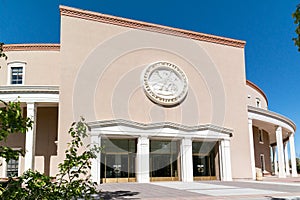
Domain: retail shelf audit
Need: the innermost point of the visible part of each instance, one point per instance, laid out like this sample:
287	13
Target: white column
30	137
186	160
274	148
293	155
96	163
142	160
225	160
279	142
252	159
286	158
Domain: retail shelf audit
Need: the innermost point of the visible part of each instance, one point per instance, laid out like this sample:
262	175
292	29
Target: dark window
16	75
12	168
260	136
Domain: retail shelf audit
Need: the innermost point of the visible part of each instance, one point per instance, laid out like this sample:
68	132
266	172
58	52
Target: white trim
96	164
274	152
30	140
286	159
293	155
225	160
279	142
164	129
260	136
142	160
258	102
263	164
4	164
186	154
270	117
145	132
36	97
16	64
252	154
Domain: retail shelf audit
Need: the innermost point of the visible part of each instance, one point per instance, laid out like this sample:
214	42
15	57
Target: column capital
277	127
250	121
144	137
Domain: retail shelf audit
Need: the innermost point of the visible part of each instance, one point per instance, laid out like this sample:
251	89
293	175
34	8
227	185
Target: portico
40	104
163	151
279	132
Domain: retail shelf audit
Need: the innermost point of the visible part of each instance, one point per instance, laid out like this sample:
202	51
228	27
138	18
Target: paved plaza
269	188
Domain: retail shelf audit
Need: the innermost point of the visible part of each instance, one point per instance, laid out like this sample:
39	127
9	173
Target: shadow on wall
46	135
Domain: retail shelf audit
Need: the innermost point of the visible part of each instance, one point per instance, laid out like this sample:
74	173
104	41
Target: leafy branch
296	16
73	180
2	55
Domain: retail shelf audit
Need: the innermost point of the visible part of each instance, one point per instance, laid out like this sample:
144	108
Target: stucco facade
98	72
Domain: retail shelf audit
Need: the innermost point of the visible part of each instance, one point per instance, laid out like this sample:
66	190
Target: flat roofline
31	47
119	21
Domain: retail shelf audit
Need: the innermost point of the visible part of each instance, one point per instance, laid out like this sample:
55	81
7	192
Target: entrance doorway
204	160
118	160
164	162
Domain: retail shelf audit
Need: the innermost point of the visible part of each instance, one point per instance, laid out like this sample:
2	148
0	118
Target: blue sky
272	60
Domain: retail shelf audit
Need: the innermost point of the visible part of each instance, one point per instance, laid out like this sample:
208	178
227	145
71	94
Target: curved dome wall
255	96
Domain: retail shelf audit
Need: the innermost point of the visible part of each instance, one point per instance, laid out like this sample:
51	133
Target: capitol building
165	104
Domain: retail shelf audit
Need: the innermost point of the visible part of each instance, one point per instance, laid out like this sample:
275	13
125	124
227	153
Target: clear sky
272	60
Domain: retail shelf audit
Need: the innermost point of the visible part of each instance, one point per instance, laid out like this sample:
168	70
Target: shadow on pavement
118	195
278	198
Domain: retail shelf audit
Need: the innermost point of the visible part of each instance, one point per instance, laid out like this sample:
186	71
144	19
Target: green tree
11	122
298	165
73	180
2	54
296	17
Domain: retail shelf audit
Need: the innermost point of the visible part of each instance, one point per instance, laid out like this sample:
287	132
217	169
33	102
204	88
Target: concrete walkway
269	188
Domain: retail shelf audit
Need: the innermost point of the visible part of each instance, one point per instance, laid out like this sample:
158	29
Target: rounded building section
270	134
255	96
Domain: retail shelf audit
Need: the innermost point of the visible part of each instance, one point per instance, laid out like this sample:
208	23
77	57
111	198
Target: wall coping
159	125
31	47
119	21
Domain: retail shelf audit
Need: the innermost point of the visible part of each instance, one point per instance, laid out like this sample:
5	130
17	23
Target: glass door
204	159
118	161
164	160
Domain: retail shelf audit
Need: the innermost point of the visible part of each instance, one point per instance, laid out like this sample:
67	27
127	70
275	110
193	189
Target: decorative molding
119	21
273	115
132	124
12	89
255	87
31	47
165	90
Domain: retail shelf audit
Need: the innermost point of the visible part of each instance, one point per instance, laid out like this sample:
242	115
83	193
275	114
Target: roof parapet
119	21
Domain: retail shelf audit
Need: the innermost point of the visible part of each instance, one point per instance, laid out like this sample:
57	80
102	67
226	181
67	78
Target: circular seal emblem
165	83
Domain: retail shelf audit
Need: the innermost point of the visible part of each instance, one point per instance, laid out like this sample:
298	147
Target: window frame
260	136
4	166
14	65
258	102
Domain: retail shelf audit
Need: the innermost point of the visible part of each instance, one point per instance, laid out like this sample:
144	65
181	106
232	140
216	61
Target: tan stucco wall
46	135
216	75
262	148
252	95
42	67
